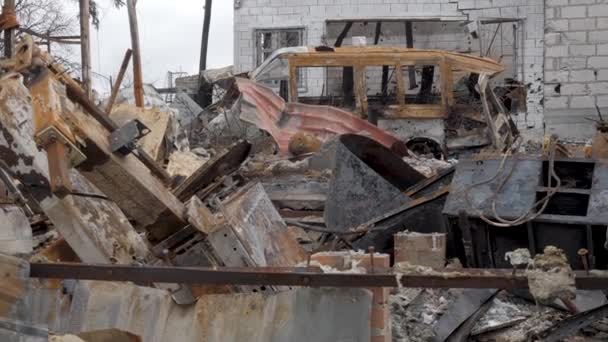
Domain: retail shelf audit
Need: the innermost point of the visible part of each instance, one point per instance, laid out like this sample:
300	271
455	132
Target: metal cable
528	215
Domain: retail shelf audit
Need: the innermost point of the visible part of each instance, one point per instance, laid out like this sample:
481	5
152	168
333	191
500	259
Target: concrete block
557	51
574	37
552	3
600	10
598	62
582	50
574	11
598	36
572	63
556	102
582	76
574	89
602	100
598	88
556	25
582	2
602	23
582	102
556	76
602	49
582	24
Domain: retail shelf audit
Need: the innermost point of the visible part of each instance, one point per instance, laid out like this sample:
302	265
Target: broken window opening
325	86
270	40
424	87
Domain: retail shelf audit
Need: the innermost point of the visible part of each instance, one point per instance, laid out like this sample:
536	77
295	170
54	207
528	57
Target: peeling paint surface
267	110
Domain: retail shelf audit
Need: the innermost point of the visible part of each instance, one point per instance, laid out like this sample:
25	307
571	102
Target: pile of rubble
257	218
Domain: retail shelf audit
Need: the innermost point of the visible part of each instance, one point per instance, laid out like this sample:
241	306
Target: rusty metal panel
336	314
267	110
367	181
302	315
517	197
598	201
261	229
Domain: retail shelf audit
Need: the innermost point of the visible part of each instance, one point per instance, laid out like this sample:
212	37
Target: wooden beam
96	229
76	94
85	46
138	82
361	91
400	84
59	173
119	78
123	179
416	111
293	83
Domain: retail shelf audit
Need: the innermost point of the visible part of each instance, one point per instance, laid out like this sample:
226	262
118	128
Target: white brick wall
312	15
576	64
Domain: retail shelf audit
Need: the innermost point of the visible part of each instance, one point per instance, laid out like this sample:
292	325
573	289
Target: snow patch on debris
429	167
550	276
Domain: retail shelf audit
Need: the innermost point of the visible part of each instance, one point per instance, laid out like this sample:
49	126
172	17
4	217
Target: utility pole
85	45
9	33
205	90
205	39
137	75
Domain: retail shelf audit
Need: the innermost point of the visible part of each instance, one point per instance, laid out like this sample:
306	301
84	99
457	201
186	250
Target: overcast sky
170	37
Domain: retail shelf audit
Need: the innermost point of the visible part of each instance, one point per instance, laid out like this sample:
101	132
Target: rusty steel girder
301	276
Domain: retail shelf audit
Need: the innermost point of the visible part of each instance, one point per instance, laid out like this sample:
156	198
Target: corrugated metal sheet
265	109
302	314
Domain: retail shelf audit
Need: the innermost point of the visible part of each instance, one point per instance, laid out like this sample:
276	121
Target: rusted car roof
312	56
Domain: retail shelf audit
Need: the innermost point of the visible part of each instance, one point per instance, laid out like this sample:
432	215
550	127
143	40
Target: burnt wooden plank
95	228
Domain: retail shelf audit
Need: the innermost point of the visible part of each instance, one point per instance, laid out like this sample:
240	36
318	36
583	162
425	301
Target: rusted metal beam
294	276
119	78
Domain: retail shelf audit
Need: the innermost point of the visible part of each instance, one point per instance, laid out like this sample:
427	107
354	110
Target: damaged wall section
576	66
317	19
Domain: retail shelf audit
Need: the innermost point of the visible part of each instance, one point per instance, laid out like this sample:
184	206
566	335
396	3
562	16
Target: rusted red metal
267	110
300	276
